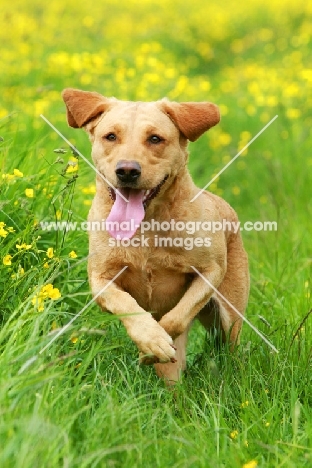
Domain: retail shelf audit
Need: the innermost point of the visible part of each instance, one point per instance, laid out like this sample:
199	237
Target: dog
140	153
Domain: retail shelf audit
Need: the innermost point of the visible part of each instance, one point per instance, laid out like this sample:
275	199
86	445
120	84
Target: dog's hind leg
170	371
235	288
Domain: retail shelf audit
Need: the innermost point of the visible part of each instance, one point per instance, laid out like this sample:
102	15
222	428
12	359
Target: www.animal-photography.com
155	226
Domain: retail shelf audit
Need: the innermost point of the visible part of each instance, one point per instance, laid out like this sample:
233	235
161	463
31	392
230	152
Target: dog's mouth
128	210
148	195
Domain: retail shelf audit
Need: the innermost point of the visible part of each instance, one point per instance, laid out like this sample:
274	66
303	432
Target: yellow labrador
143	194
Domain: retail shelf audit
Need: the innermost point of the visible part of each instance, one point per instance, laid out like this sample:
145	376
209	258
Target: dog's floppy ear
192	118
82	106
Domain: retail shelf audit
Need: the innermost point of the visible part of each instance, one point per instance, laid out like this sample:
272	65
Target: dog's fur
159	294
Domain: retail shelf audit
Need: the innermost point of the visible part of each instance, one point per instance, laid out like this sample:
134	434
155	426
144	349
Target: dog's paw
155	345
148	360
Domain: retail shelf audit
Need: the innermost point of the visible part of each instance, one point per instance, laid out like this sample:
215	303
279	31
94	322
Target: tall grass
84	401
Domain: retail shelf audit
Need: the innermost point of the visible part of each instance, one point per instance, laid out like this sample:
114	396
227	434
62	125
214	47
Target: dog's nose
128	171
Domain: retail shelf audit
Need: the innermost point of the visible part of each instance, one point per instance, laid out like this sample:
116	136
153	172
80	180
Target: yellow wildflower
29	192
245	404
245	136
8	176
250	464
50	252
54	294
225	139
72	254
18	173
20	272
23	246
38	302
3	232
46	265
72	165
90	190
46	292
7	260
49	291
234	434
293	113
74	339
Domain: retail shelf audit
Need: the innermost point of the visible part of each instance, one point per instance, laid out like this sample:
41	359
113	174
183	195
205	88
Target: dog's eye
110	137
155	139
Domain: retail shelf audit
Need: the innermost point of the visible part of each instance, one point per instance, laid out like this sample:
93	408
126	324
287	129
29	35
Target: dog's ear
83	106
192	118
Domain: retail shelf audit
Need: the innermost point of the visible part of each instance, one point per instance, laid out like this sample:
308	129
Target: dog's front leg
150	338
178	319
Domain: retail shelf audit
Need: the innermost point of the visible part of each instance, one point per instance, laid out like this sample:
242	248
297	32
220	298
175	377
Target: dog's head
138	146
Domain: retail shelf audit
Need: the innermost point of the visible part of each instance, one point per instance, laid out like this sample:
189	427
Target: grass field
85	401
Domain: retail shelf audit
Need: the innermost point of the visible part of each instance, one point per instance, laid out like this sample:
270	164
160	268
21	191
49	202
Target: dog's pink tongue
126	216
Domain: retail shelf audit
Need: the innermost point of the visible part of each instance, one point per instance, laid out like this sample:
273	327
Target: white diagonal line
82	156
27	364
233	159
63	329
238	313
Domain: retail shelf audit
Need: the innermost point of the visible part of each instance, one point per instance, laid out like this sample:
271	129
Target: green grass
85	401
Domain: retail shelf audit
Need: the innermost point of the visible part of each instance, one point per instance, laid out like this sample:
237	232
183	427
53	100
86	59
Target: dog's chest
157	278
156	286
